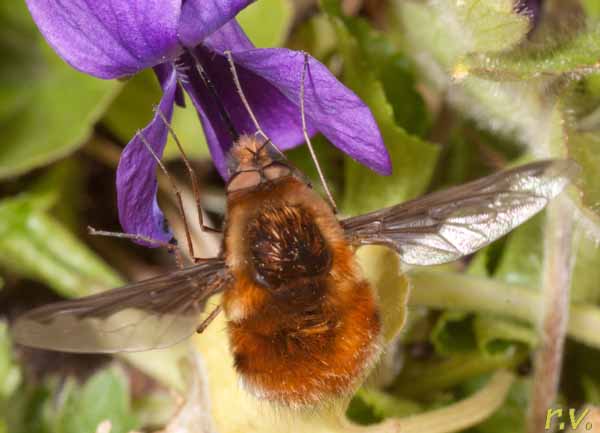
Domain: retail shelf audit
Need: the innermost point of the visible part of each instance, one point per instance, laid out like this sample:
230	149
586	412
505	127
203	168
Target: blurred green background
459	89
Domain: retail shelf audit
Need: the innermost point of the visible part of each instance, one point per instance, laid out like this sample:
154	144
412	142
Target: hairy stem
554	315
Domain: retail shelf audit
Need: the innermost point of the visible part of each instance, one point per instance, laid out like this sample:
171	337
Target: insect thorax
288	252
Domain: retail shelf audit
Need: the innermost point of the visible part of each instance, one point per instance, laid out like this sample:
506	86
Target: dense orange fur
294	357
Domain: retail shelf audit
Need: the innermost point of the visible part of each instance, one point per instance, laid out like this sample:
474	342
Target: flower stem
554	313
419	379
447	290
465	413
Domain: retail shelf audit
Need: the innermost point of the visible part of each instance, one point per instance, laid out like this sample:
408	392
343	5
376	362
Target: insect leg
172	248
238	86
307	138
191	173
214	313
240	90
177	194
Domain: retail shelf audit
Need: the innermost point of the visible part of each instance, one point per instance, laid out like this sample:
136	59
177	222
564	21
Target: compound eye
275	171
243	180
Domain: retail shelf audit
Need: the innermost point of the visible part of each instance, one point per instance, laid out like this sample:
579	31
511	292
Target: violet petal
136	175
163	72
330	106
276	114
230	37
109	38
270	79
200	18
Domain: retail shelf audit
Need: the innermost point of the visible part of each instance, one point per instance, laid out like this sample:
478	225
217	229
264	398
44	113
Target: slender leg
191	173
172	248
240	90
175	190
238	86
307	138
214	313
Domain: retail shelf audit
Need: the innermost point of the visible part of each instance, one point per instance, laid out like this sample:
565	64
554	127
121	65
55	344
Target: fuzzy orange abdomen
303	323
303	358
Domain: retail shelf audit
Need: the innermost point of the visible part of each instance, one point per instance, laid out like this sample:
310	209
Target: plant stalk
453	291
553	320
463	414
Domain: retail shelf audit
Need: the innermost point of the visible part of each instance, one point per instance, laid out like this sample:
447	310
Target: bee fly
303	323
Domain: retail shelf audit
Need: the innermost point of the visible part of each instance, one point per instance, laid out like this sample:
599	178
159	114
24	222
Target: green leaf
381	267
426	34
579	141
591	389
437	40
495	335
586	272
573	59
328	157
521	259
511	416
413	163
399	85
393	69
584	148
36	245
27	411
267	22
359	412
413	160
453	333
17	17
133	109
10	374
17	43
592	8
105	396
449	29
484	25
384	405
51	107
421	379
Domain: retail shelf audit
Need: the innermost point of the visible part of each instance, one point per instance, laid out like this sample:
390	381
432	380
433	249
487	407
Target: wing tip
559	173
565	168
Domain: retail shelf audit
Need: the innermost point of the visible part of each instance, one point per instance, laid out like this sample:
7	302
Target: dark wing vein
449	224
150	314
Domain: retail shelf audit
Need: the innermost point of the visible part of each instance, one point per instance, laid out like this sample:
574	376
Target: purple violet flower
116	38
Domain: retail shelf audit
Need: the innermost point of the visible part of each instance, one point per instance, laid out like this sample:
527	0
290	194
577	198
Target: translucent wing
151	314
446	225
